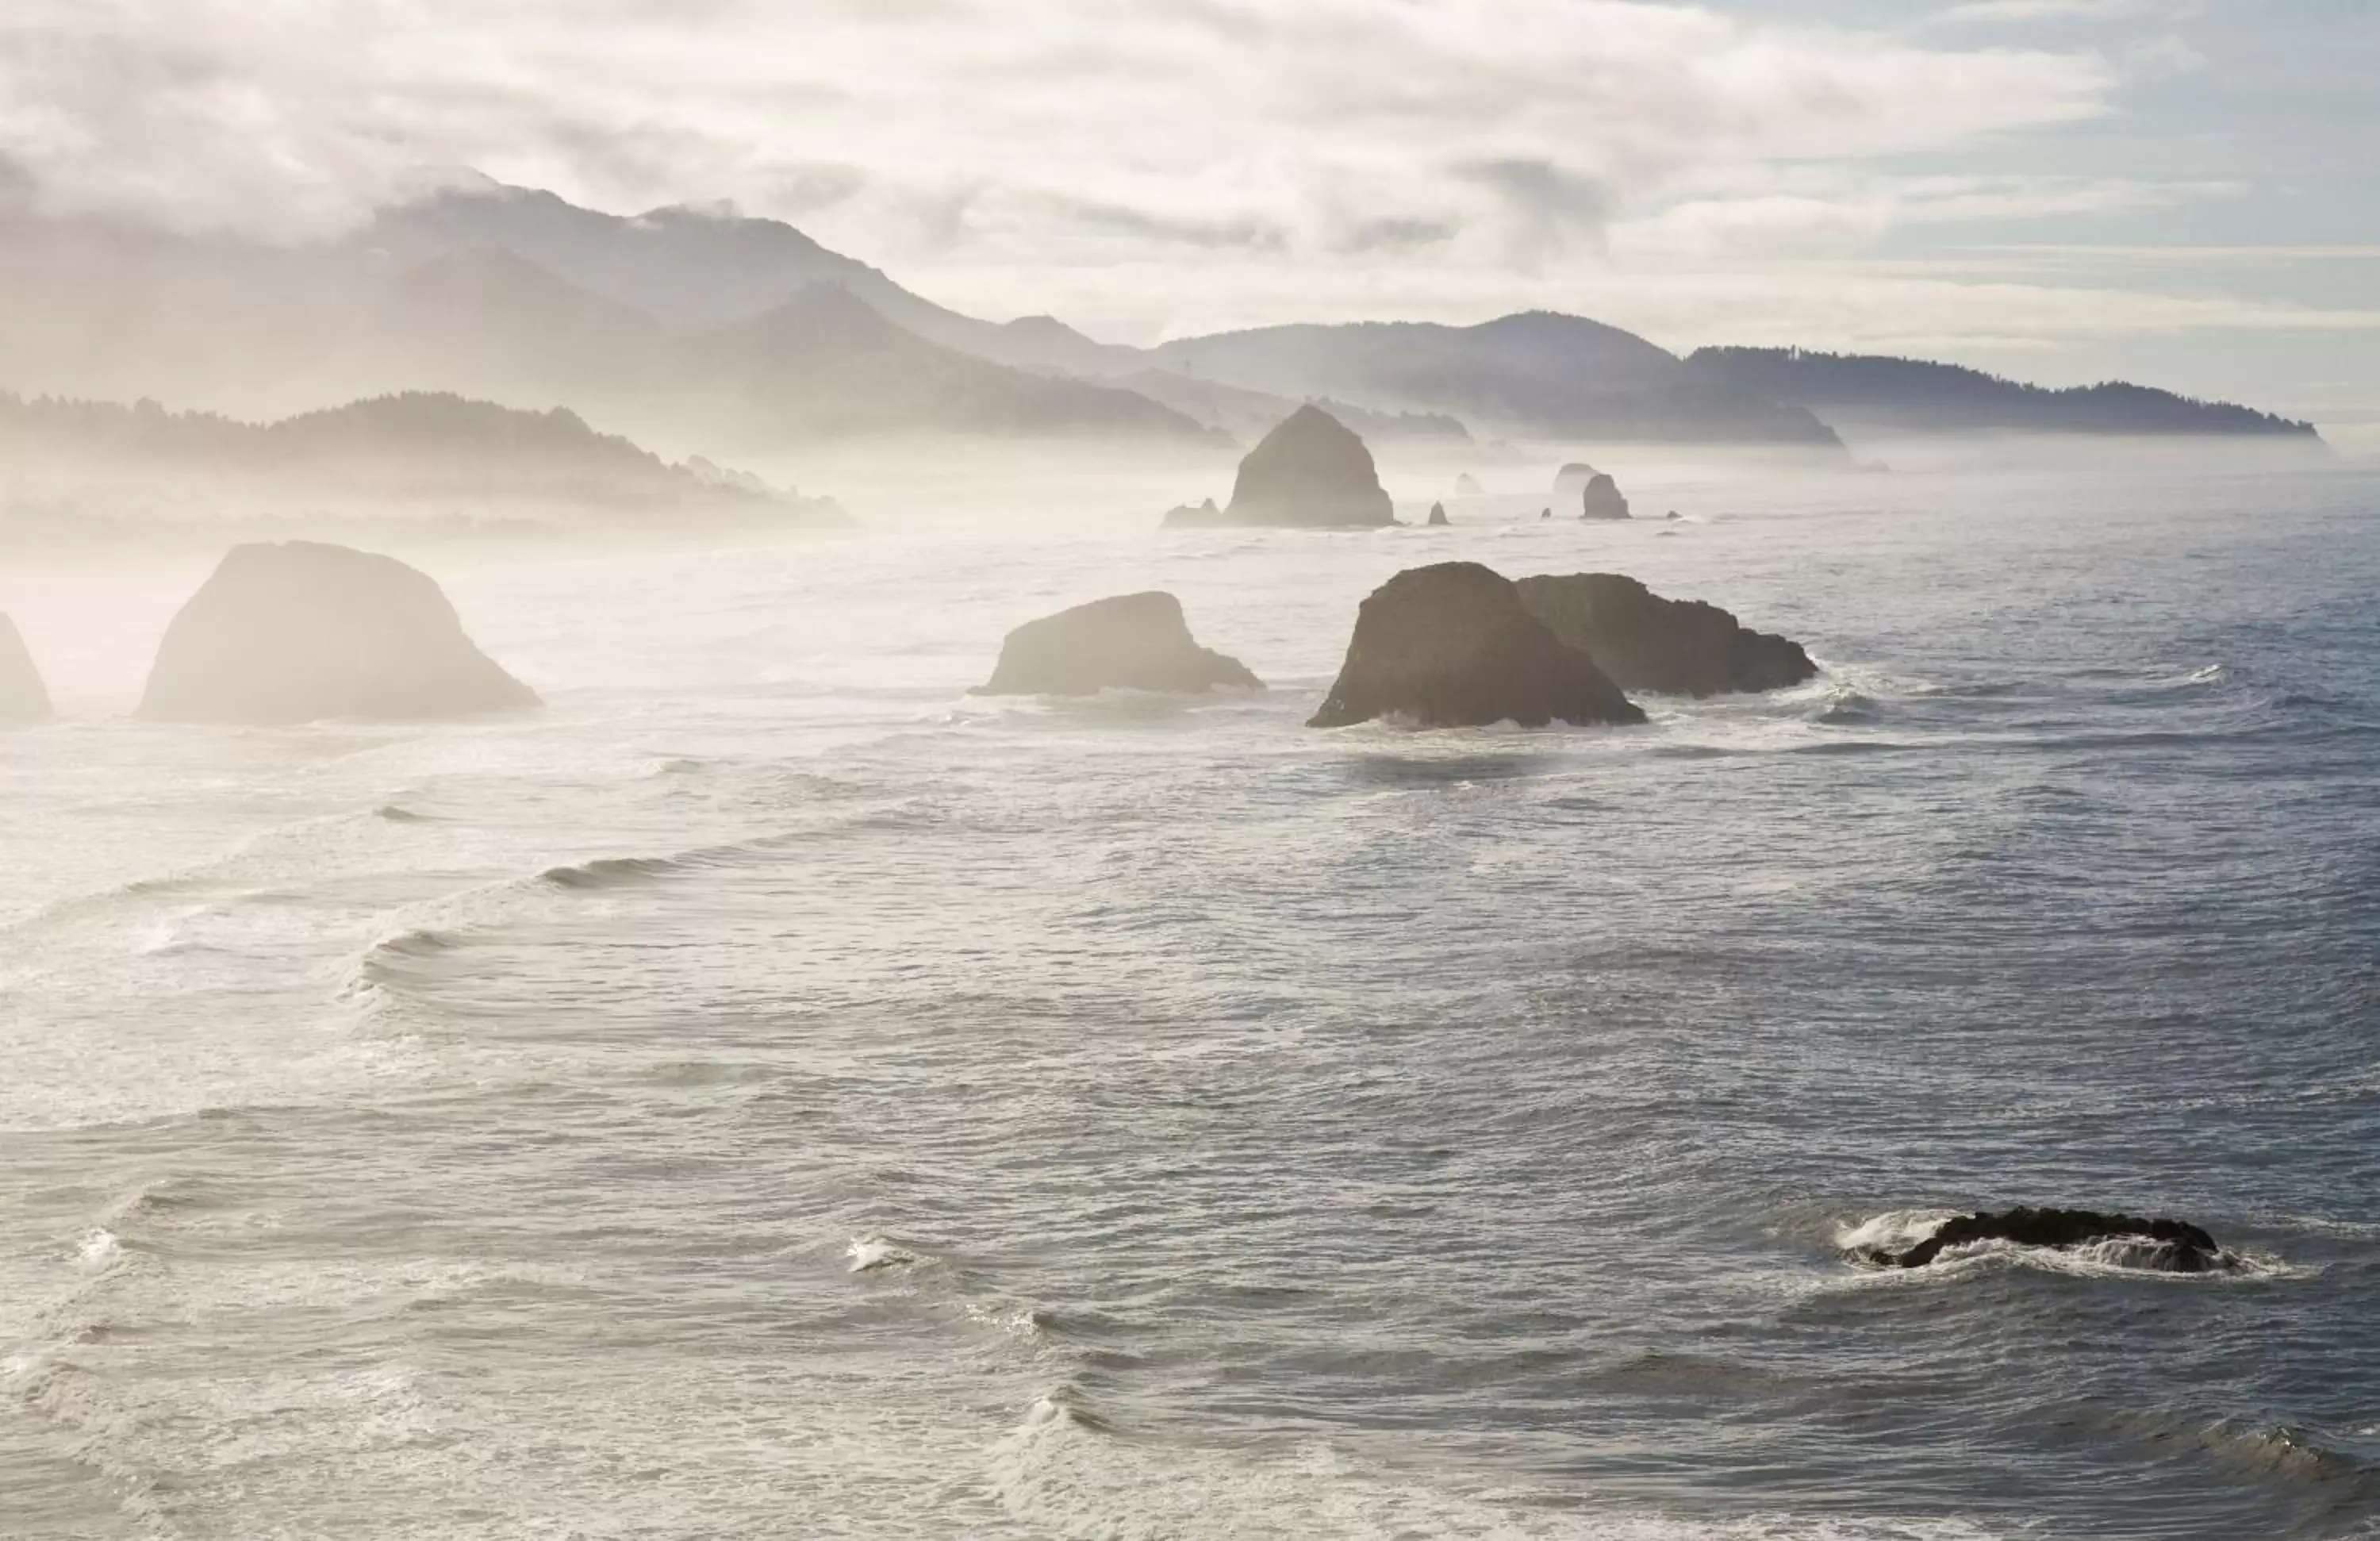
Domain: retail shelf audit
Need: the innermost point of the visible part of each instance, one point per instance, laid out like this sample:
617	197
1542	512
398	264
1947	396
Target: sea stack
1452	646
1572	480
23	698
302	630
1311	471
1466	486
1438	514
1671	647
1602	500
1130	642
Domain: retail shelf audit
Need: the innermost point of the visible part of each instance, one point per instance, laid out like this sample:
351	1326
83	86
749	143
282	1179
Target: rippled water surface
772	1093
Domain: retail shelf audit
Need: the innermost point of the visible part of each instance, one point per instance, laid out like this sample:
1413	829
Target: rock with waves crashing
1311	471
2161	1245
1129	642
302	630
1438	514
1451	644
1670	647
24	700
1602	500
1572	480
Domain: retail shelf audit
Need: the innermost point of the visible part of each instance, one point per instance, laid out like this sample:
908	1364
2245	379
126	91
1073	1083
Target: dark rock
1545	514
1673	514
294	632
23	699
2166	1245
1602	500
1572	480
1309	471
1466	486
1438	514
1674	647
1451	646
1130	642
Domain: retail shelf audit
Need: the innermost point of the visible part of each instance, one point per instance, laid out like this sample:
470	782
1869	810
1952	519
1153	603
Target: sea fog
771	1091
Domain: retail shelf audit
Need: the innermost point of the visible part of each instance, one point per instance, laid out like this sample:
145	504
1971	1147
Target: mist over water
772	1092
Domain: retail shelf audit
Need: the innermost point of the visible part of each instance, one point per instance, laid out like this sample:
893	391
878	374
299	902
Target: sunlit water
771	1093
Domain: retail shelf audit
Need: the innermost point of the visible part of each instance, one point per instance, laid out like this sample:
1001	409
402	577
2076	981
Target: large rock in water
1438	514
1452	646
1572	480
294	632
2166	1245
1673	647
1131	642
1602	500
23	700
1311	470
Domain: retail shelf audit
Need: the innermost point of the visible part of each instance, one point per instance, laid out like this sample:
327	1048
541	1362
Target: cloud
2007	12
1511	130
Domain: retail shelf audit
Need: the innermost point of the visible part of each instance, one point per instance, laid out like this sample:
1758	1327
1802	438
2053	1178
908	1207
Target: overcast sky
2179	190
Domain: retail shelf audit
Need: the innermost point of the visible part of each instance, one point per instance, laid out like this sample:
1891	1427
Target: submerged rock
303	630
1602	500
2166	1245
1130	642
1311	470
1572	480
23	698
1452	646
1673	647
1438	514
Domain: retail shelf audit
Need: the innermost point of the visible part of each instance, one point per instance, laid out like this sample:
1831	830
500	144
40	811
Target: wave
881	1255
611	872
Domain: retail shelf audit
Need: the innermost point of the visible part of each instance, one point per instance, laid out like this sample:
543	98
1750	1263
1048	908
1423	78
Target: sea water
772	1092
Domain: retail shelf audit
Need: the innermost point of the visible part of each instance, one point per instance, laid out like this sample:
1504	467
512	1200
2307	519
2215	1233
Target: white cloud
1508	131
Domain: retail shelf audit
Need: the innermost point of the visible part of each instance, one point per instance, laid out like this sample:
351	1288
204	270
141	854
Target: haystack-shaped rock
1311	470
1131	642
1572	480
1466	486
1602	500
1452	646
23	700
1674	647
1438	514
302	630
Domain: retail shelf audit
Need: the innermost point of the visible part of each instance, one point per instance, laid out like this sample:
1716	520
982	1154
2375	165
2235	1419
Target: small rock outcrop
23	698
1452	646
302	630
2165	1245
1602	500
1438	514
1311	471
1466	486
1130	642
1572	480
1186	517
1670	647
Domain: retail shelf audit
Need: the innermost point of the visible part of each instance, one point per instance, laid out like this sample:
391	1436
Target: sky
2178	191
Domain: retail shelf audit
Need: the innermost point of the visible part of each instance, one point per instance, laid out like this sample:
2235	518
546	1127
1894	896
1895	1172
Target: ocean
772	1092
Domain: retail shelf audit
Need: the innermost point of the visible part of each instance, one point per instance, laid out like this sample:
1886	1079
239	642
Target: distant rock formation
1912	395
1438	514
1452	646
1186	517
1466	486
1602	500
1130	642
2165	1245
1572	480
301	630
1545	513
1671	647
23	699
1311	471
